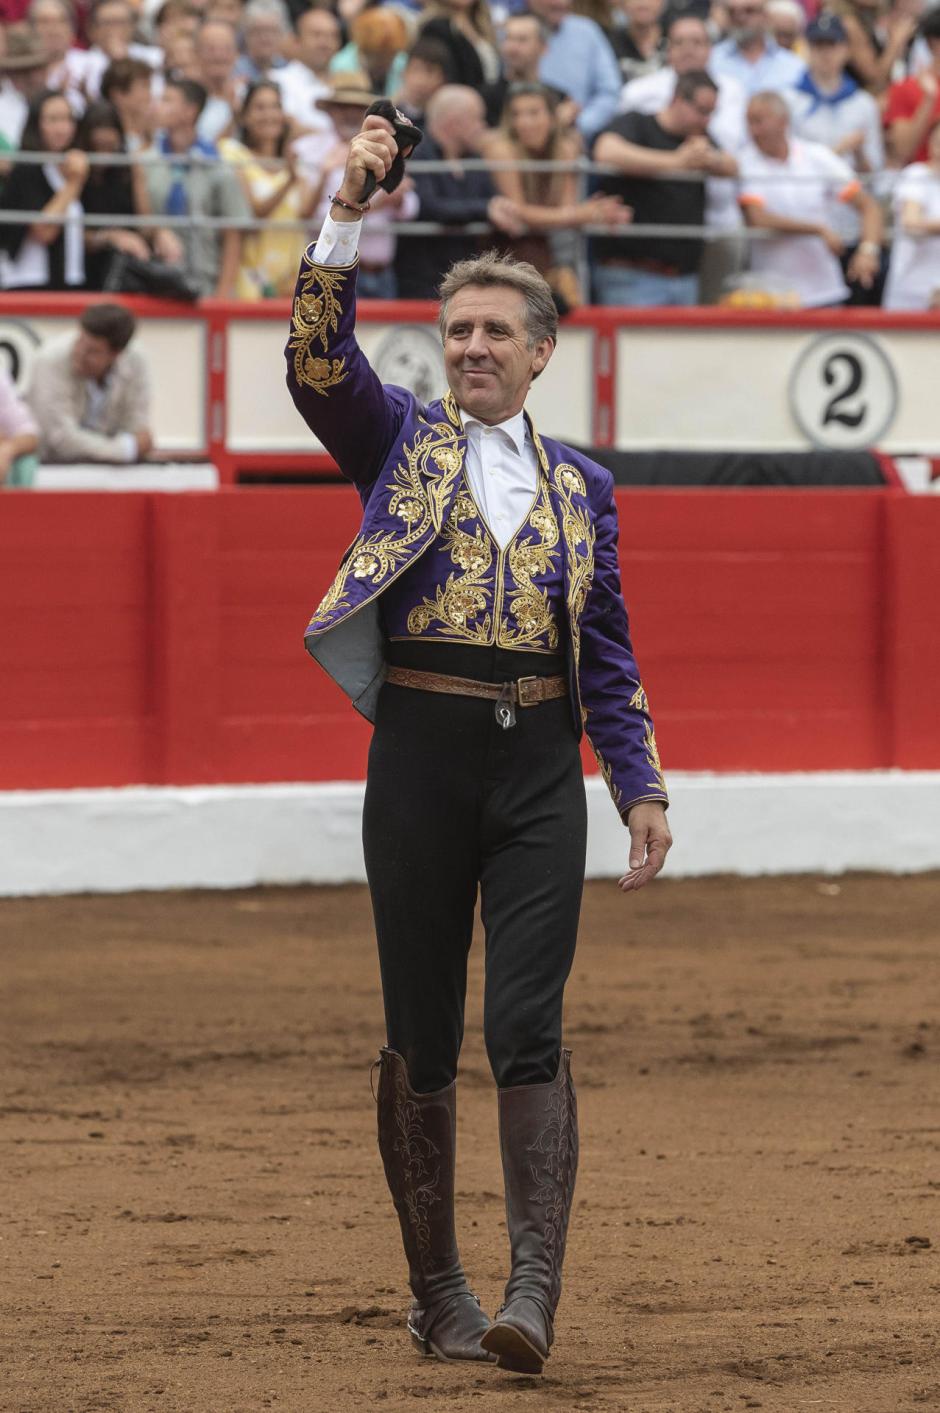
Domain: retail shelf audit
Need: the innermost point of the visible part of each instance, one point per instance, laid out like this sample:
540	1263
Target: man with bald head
456	123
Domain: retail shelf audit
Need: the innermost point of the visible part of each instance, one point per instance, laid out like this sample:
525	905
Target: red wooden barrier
158	638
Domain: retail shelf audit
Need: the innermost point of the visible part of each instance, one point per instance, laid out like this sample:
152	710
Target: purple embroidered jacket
406	461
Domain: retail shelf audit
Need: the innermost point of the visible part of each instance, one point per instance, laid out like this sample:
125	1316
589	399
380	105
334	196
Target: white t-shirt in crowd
914	272
805	186
300	89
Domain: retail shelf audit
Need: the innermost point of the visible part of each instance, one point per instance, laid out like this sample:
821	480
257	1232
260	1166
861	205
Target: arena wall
152	644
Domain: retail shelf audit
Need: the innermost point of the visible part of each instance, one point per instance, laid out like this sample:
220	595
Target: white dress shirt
501	465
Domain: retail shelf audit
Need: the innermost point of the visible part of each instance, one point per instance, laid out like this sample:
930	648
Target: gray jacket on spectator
78	422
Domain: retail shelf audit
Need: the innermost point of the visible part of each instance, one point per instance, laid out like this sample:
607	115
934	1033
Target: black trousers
455	803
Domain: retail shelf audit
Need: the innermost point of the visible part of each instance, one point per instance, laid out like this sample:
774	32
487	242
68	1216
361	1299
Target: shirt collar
514	428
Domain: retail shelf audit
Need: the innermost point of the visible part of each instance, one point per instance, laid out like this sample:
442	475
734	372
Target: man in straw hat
477	620
23	65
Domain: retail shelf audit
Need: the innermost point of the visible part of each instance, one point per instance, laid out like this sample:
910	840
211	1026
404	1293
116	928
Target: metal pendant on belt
506	707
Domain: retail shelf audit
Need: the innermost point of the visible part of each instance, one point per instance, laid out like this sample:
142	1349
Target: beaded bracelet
350	205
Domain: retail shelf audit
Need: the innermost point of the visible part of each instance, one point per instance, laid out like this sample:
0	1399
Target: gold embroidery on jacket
419	493
316	316
607	772
639	700
578	531
652	757
468	606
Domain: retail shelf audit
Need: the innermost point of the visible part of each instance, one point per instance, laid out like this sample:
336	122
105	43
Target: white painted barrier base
73	841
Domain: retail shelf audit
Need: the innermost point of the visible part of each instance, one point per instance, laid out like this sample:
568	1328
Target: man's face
694	114
175	112
747	20
767	124
461	128
785	29
551	11
827	61
217	52
92	357
317	39
689	46
523	46
642	12
346	119
113	29
53	29
487	355
264	39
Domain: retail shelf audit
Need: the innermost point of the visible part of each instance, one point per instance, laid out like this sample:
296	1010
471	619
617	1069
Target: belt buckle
522	688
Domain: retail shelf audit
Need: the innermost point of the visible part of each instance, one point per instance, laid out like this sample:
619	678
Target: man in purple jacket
477	620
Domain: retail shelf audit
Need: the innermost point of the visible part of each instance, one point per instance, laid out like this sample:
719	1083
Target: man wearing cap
829	107
477	620
23	64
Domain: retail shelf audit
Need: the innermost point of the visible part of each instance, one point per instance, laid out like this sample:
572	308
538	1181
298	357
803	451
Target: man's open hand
650	842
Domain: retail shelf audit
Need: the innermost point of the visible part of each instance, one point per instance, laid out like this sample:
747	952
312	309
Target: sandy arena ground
192	1212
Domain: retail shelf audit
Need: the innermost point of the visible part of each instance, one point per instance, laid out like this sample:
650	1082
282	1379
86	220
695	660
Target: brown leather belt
526	692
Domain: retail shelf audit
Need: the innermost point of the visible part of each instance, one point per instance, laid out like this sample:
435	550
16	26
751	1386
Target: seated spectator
111	31
273	189
580	62
828	106
217	52
377	49
265	37
751	55
456	128
90	392
109	191
307	78
644	147
202	187
638	38
427	69
914	273
50	254
791	187
346	107
127	85
913	105
23	65
787	22
54	27
876	47
19	436
548	202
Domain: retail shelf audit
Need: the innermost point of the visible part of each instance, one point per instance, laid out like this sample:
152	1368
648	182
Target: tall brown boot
417	1140
538	1135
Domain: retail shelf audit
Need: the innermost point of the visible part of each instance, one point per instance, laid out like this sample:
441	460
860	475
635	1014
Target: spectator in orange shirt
913	105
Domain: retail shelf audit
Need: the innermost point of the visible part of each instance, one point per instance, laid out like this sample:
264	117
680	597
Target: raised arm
328	376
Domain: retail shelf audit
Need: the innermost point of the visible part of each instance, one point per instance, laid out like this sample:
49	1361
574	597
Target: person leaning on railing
46	254
548	202
112	191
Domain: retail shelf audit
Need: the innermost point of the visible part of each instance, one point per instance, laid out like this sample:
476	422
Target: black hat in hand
407	137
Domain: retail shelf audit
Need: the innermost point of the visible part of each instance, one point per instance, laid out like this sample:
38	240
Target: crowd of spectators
191	146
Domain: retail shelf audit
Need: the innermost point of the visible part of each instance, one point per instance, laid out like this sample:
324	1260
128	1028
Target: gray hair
495	270
265	10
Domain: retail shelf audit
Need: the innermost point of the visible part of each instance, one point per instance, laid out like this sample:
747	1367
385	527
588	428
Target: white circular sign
411	357
18	343
843	392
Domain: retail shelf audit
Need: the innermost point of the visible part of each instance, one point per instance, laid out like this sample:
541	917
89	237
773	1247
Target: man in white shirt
54	26
111	30
791	188
828	106
482	589
751	55
90	392
307	78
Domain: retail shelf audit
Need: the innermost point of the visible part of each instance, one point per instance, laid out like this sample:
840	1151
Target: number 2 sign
843	392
